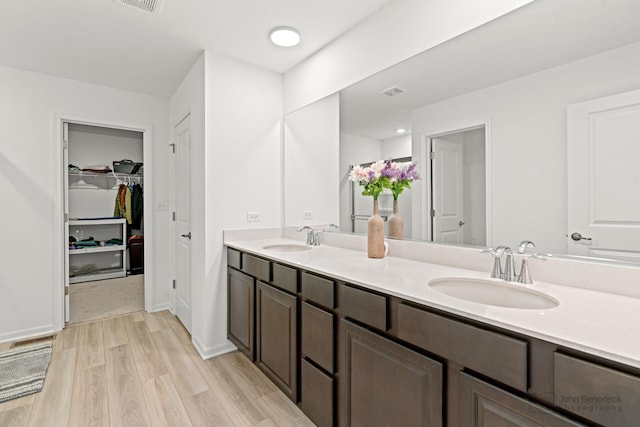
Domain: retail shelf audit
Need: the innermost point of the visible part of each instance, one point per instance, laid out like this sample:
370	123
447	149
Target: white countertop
602	324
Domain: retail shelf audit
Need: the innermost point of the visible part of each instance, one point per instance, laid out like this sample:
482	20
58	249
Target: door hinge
173	148
174	283
65	135
174	216
66	291
432	155
433	213
66	217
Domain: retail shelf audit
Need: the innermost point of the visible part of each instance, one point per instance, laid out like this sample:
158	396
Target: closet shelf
96	221
96	249
116	175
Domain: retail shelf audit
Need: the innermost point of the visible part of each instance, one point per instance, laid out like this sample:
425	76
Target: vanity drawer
316	395
363	306
317	289
597	393
285	278
317	336
257	267
233	258
498	356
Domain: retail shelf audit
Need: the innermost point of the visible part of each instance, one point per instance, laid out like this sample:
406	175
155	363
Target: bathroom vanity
357	341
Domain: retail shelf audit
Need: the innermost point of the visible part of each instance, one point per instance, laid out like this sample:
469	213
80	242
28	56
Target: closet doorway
104	221
457	190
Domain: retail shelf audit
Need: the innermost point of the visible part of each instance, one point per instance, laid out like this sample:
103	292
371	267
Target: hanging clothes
137	208
122	206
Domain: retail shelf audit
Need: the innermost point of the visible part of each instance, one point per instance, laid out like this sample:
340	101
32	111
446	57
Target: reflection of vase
396	223
375	234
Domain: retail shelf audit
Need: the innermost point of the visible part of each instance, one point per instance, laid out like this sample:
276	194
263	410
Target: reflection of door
65	163
183	222
604	177
447	191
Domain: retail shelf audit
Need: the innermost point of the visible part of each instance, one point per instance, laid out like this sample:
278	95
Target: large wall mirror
518	116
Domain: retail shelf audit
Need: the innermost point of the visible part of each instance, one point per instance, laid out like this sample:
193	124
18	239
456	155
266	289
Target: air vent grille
151	6
393	91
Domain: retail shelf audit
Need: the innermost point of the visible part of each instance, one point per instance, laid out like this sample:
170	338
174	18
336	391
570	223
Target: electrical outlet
253	216
307	215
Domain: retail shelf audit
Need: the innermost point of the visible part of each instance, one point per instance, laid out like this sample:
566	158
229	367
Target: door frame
60	202
425	137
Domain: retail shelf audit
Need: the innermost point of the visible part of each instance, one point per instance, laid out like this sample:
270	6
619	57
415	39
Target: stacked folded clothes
97	169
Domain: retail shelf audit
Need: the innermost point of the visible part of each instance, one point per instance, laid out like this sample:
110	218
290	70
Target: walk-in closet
105	224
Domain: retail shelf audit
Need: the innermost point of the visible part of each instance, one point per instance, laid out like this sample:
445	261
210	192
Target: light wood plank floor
141	370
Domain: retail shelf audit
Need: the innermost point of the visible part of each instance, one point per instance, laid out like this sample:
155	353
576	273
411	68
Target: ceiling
535	37
107	43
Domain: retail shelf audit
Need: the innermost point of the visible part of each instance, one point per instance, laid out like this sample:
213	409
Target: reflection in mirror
515	77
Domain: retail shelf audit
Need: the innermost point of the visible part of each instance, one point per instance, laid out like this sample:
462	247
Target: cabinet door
240	311
276	352
483	405
386	384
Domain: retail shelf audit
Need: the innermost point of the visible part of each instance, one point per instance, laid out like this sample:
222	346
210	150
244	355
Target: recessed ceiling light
401	130
285	36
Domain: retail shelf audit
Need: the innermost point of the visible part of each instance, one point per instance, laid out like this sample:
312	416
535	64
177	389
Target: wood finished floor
142	370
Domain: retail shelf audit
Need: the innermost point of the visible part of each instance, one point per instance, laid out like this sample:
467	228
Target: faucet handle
496	272
524	245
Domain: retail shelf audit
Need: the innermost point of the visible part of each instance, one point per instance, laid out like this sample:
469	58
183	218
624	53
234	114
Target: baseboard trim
28	333
213	351
163	306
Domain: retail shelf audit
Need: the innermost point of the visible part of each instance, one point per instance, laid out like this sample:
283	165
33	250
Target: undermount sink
493	293
287	247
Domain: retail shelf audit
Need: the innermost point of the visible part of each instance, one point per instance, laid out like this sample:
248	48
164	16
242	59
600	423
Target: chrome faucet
508	273
311	235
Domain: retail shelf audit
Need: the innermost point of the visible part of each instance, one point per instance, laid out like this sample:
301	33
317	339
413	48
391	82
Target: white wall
528	133
396	148
397	31
31	269
236	112
311	137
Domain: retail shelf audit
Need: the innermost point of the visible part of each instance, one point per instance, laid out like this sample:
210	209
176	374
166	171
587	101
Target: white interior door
447	191
603	149
182	150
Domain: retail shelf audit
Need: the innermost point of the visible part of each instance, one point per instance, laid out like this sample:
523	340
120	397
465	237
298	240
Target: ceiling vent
149	6
393	91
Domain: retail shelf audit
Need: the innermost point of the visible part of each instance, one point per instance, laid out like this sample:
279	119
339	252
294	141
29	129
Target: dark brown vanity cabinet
317	348
351	356
484	405
276	337
386	384
242	271
241	311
